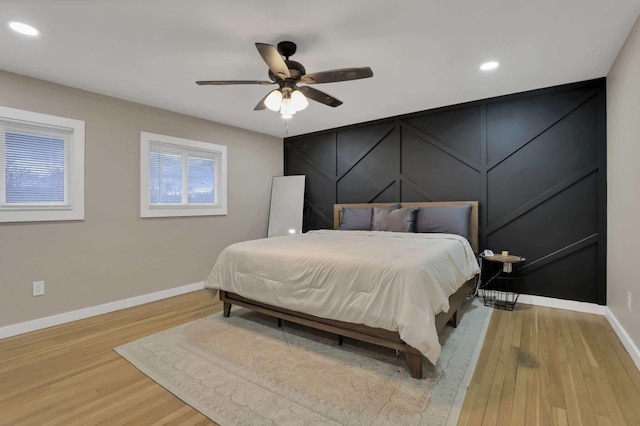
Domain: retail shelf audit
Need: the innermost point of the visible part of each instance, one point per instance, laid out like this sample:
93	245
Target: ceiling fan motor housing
296	70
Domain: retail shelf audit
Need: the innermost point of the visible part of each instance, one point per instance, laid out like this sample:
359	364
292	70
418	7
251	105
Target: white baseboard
624	338
570	305
40	323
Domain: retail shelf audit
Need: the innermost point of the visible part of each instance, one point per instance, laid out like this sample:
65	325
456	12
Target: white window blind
36	167
165	185
181	177
41	167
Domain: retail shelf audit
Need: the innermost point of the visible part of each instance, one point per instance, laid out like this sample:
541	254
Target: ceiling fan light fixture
298	100
287	109
288	99
274	100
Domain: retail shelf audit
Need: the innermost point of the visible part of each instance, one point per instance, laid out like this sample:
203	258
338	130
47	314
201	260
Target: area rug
244	370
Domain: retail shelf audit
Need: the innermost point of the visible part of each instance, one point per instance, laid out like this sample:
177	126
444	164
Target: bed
394	289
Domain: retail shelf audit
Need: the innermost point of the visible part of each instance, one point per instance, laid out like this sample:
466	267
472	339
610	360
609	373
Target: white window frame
73	209
170	210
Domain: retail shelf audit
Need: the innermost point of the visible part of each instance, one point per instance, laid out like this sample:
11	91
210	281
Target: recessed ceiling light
23	28
488	66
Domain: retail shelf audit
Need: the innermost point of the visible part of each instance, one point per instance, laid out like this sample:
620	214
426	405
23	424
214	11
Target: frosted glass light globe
274	100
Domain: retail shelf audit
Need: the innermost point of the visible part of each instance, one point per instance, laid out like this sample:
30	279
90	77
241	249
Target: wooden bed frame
378	336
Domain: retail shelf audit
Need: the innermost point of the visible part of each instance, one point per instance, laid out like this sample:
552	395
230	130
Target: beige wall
623	184
114	254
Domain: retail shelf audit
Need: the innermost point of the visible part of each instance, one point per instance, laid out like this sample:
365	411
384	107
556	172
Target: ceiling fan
289	98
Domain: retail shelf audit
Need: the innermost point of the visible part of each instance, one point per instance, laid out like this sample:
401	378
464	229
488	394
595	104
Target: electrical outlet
629	301
38	288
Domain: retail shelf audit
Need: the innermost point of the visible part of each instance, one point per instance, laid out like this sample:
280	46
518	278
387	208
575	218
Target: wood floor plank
580	410
518	409
595	333
544	387
508	391
559	417
489	369
586	361
493	400
532	409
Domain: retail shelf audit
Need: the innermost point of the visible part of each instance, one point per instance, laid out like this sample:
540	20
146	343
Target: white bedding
391	280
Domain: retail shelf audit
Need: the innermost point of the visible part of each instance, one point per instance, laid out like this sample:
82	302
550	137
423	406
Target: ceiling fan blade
273	59
226	82
343	74
319	96
261	105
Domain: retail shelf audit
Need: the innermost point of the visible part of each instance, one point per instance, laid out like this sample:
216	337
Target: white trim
218	154
570	305
624	337
46	322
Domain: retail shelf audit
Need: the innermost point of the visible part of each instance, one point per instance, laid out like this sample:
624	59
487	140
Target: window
181	177
41	167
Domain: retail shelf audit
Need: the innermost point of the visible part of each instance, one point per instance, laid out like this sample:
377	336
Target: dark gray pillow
444	219
356	219
394	220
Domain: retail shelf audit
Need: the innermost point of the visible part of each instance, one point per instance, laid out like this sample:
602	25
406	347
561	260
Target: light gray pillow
356	219
444	219
394	220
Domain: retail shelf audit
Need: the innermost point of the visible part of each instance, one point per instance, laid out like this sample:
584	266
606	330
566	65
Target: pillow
393	219
356	219
444	219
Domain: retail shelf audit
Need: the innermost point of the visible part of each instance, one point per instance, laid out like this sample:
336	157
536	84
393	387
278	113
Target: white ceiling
424	53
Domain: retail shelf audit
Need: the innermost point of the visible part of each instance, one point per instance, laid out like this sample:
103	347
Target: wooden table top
503	259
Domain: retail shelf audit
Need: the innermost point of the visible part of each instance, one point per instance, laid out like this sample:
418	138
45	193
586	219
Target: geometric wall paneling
453	128
511	123
320	149
552	226
441	173
388	194
535	161
552	232
314	219
319	192
355	143
410	191
566	278
373	175
562	150
540	199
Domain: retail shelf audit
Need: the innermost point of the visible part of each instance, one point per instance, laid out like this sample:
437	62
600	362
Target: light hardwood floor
70	375
544	366
537	366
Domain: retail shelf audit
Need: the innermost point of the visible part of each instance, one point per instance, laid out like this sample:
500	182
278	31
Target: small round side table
499	291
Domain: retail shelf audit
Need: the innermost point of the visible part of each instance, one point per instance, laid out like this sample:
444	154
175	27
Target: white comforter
395	281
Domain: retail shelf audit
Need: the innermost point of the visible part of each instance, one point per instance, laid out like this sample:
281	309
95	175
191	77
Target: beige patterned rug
243	370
